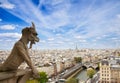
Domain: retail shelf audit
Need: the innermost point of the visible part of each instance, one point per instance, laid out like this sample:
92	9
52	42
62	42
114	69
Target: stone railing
12	76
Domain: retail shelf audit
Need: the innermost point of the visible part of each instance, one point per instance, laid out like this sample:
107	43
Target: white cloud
42	41
60	42
78	37
55	2
8	40
8	27
10	35
83	40
118	15
0	19
6	4
50	42
58	34
51	39
94	40
114	38
98	37
1	39
72	43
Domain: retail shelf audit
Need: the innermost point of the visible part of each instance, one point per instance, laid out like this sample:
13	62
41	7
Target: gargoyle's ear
33	25
25	30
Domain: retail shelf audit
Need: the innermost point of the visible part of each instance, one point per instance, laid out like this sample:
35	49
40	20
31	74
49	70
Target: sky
62	24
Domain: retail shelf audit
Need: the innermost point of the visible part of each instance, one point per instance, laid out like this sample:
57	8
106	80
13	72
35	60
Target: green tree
78	59
118	54
90	73
43	77
72	80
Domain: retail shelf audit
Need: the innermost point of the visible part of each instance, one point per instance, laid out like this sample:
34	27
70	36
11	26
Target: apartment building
110	70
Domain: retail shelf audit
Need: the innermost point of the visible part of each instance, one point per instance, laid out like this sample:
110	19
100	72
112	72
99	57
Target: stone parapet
11	76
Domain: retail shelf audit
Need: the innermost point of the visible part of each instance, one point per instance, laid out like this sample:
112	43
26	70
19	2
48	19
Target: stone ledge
12	76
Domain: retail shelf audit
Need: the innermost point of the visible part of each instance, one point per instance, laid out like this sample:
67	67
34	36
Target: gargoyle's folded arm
25	56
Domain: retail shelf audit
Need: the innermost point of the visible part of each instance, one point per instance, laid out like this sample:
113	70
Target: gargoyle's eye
35	34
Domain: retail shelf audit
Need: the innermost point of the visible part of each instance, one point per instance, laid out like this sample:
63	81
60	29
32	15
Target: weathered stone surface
9	80
11	74
6	75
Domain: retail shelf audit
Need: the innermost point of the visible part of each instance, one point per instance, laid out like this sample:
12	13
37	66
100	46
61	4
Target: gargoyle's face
33	35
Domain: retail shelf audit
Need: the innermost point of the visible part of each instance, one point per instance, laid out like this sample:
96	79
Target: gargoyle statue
19	54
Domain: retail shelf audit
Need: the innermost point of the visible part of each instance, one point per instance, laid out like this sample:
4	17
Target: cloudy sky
62	24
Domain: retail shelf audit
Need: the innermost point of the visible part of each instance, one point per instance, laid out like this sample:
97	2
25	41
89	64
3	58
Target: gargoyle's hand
31	43
36	74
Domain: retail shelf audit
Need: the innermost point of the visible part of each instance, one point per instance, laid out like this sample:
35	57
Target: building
110	70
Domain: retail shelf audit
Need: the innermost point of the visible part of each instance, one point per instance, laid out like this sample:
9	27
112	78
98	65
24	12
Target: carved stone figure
19	54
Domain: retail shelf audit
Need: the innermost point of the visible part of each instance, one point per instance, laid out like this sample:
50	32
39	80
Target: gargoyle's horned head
31	34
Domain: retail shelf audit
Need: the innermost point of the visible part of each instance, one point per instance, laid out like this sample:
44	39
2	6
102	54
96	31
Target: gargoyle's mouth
37	39
33	42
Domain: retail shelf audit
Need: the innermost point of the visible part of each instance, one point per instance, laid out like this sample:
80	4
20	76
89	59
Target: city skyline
62	23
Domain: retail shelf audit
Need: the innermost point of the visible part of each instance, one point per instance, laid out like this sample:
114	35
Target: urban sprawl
57	63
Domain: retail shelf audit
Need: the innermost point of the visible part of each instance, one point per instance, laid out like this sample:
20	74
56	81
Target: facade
110	70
